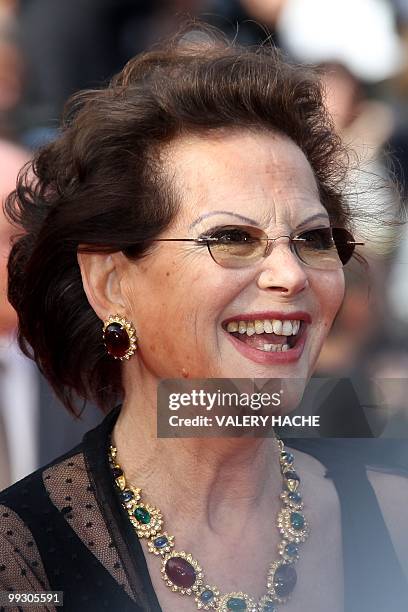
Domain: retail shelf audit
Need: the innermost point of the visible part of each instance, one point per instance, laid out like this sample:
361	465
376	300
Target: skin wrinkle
304	223
237	495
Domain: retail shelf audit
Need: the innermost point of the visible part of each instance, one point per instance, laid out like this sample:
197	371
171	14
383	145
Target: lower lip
290	356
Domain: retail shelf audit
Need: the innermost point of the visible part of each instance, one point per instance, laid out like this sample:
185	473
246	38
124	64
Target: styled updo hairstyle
100	186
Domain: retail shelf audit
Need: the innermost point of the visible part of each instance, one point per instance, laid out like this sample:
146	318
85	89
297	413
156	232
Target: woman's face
180	299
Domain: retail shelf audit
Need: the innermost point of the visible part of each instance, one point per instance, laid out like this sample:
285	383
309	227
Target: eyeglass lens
242	246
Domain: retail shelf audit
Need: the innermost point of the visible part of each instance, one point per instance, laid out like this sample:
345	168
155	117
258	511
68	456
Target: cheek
328	289
175	310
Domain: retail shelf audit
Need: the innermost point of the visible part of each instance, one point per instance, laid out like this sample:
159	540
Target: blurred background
50	49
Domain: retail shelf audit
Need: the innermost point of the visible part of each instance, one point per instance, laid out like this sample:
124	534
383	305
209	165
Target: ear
102	281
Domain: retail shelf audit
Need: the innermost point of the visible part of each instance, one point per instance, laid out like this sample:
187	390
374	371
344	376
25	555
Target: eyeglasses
240	246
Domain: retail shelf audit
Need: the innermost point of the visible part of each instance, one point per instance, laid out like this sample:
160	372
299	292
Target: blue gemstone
269	606
236	603
284	580
297	520
291	474
126	495
117	472
291	549
160	542
206	595
287	457
295	497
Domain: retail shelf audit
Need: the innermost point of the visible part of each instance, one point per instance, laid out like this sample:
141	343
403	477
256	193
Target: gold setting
130	330
153	527
211	605
263	601
120	481
291	484
113	451
285	465
284	554
285	527
165	549
198	571
131	505
289	502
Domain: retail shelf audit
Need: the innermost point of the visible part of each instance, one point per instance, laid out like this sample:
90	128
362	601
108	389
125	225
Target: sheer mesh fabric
70	491
21	568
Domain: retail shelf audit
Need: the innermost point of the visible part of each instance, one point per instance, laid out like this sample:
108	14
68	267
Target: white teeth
287	328
275	348
270	348
232	326
277	326
250	328
295	327
268	327
259	327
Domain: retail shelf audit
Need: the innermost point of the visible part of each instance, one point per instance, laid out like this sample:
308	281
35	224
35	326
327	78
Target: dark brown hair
100	183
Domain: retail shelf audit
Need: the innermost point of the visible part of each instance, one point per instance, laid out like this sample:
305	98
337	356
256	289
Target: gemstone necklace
184	575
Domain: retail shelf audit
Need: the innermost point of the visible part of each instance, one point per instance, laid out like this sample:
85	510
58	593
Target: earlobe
101	279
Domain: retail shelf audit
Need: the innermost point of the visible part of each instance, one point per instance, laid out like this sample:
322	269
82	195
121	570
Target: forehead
262	173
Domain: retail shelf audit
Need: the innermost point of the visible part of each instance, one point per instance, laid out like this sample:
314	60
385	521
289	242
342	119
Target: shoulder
28	496
391	490
28	512
385	461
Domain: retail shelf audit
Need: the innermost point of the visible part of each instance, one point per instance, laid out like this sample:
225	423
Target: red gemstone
116	340
180	572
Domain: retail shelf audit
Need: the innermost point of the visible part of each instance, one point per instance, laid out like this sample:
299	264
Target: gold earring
119	337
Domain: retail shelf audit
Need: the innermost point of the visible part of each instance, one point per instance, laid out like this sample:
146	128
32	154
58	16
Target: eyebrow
313	218
252	221
223	212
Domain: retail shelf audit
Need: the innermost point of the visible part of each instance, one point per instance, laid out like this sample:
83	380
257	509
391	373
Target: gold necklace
184	575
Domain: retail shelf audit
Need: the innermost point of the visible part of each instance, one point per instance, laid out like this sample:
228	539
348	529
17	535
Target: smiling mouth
267	335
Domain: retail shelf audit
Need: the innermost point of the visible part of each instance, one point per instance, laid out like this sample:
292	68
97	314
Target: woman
161	189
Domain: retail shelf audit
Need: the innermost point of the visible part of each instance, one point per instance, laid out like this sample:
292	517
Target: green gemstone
269	606
297	520
236	603
142	515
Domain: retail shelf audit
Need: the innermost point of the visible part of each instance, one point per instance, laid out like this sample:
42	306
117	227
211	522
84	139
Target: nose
282	271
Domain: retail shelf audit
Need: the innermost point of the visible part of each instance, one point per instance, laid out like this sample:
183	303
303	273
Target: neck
207	477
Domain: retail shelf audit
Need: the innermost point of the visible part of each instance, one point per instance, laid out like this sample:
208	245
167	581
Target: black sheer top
63	529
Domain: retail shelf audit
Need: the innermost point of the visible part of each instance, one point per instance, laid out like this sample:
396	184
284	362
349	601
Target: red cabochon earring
119	337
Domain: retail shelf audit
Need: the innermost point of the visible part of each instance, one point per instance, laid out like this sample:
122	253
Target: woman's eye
319	238
232	235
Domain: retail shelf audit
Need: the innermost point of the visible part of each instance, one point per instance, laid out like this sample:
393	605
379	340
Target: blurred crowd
50	49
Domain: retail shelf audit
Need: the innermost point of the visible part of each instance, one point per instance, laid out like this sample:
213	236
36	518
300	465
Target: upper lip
296	315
